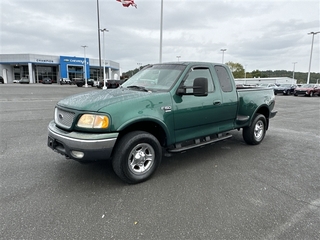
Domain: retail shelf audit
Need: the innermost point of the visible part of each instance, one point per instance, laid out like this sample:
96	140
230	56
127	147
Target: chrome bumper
81	146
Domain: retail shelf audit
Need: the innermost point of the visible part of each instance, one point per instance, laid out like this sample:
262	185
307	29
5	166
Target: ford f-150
164	108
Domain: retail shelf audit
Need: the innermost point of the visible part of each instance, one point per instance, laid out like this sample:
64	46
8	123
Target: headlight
93	121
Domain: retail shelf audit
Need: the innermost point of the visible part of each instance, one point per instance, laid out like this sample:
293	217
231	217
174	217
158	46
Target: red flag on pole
127	3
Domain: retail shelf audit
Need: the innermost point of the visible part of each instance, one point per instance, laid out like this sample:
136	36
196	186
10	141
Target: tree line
238	71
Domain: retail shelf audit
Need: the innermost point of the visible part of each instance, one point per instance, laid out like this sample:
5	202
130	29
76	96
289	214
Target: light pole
104	59
294	64
313	33
99	42
85	66
223	50
178	57
161	26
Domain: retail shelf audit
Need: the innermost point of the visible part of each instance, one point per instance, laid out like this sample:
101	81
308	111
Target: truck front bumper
83	147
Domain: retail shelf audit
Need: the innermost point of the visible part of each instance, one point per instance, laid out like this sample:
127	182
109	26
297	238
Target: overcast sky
264	35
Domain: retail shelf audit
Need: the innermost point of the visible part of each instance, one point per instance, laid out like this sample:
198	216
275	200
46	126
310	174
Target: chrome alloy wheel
141	158
259	130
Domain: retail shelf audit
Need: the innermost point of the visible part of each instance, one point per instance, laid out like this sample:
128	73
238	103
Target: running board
199	142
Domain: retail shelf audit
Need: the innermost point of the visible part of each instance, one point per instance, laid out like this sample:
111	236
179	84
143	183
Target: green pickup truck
163	109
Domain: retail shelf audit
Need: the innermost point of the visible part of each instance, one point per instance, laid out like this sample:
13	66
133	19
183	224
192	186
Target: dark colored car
285	89
110	83
1	80
46	80
307	90
81	82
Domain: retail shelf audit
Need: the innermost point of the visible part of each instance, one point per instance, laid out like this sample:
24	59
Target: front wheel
137	156
255	133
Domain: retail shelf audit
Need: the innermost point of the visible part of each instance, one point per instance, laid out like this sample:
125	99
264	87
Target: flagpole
161	26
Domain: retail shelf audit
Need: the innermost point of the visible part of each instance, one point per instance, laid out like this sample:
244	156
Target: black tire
79	85
311	94
137	156
254	134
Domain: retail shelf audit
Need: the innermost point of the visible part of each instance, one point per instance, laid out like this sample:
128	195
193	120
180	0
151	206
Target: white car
16	81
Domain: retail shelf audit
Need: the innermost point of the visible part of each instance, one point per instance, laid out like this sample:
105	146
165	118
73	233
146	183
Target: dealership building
36	67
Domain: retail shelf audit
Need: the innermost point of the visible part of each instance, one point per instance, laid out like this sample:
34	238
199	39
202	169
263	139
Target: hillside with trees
239	72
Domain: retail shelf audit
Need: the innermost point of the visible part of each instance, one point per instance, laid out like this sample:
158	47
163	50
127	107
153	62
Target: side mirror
200	87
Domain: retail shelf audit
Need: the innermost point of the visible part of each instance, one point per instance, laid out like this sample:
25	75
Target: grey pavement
228	190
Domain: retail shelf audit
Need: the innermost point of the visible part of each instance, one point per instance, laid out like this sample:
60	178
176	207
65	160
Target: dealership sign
66	61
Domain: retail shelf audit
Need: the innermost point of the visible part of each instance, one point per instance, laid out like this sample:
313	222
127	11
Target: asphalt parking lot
228	190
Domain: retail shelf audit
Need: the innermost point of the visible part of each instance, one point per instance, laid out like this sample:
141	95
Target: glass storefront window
16	72
46	71
94	73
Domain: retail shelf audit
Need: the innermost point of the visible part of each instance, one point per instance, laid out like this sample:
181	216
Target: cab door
202	115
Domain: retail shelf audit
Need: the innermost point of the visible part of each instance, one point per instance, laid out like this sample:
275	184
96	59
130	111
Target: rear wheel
255	133
137	156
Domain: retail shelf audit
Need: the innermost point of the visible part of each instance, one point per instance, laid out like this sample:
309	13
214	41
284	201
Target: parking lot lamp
99	42
104	59
85	66
161	28
313	33
223	50
294	64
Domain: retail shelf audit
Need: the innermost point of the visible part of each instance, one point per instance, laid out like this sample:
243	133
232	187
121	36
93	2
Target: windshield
285	85
155	77
307	86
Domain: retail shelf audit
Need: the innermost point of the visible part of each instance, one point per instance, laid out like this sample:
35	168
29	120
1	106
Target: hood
281	88
95	100
303	89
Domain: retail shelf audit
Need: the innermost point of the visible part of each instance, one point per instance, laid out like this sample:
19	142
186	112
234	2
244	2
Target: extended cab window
196	73
224	79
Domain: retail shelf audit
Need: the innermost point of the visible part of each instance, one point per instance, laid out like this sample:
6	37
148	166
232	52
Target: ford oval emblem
60	116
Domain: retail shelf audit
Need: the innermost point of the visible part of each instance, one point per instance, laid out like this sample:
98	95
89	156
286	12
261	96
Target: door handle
217	103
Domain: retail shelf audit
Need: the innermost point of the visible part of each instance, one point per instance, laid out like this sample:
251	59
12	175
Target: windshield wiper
139	88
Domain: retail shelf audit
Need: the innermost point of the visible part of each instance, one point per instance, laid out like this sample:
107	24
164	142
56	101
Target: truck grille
63	118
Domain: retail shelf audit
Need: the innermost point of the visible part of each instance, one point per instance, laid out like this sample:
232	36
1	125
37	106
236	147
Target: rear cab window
224	78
